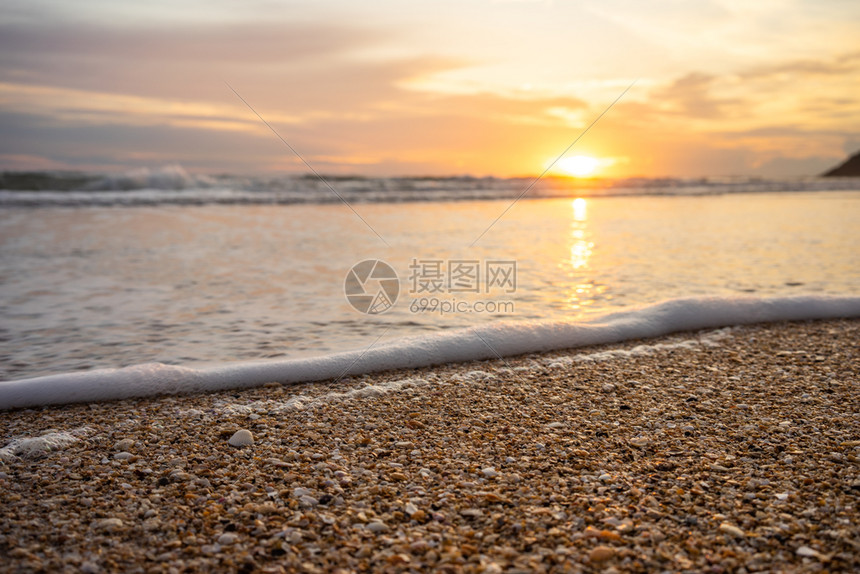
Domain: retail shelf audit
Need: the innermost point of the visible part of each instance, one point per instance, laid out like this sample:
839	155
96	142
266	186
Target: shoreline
481	342
716	450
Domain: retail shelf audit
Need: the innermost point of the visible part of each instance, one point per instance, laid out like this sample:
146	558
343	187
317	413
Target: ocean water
107	283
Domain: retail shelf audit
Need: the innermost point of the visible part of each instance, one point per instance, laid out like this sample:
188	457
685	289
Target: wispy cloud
691	96
81	107
842	64
489	87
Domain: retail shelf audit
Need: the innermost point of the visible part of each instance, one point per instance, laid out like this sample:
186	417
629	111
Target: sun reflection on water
580	209
581	290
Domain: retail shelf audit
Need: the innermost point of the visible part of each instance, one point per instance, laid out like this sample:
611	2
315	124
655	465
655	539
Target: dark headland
849	168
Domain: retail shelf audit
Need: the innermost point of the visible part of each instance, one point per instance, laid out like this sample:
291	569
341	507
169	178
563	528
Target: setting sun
579	165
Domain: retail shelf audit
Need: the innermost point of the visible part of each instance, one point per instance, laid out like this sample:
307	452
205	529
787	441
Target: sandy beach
732	450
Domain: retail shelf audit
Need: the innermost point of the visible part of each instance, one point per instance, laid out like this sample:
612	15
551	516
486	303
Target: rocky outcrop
849	168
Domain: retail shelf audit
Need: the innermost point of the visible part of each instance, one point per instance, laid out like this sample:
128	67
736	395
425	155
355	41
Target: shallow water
114	286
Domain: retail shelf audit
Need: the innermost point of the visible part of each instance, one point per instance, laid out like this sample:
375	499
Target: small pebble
241	438
731	529
377	526
601	553
308	501
227	538
808	552
108	524
124	444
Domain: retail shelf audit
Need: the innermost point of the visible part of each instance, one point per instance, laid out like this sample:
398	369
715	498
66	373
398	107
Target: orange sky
723	87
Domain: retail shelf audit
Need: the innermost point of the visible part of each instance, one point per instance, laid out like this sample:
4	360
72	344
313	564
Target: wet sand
721	451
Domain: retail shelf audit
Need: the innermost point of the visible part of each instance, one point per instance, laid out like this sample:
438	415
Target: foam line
477	343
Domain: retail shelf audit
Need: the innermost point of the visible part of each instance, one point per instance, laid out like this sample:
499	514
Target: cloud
145	96
293	73
245	43
420	132
840	65
786	110
359	97
691	96
26	162
80	107
185	61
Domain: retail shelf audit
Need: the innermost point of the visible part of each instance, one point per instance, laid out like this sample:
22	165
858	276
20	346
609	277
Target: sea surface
191	271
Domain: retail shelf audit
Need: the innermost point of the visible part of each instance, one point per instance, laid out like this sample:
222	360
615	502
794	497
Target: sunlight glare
579	165
579	207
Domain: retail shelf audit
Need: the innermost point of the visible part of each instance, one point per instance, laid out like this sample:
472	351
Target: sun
579	165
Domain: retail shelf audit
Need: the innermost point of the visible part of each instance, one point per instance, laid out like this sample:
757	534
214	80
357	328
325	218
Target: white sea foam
38	446
481	342
302	402
712	339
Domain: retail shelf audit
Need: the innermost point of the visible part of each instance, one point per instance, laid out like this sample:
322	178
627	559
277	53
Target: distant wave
478	343
174	185
170	177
